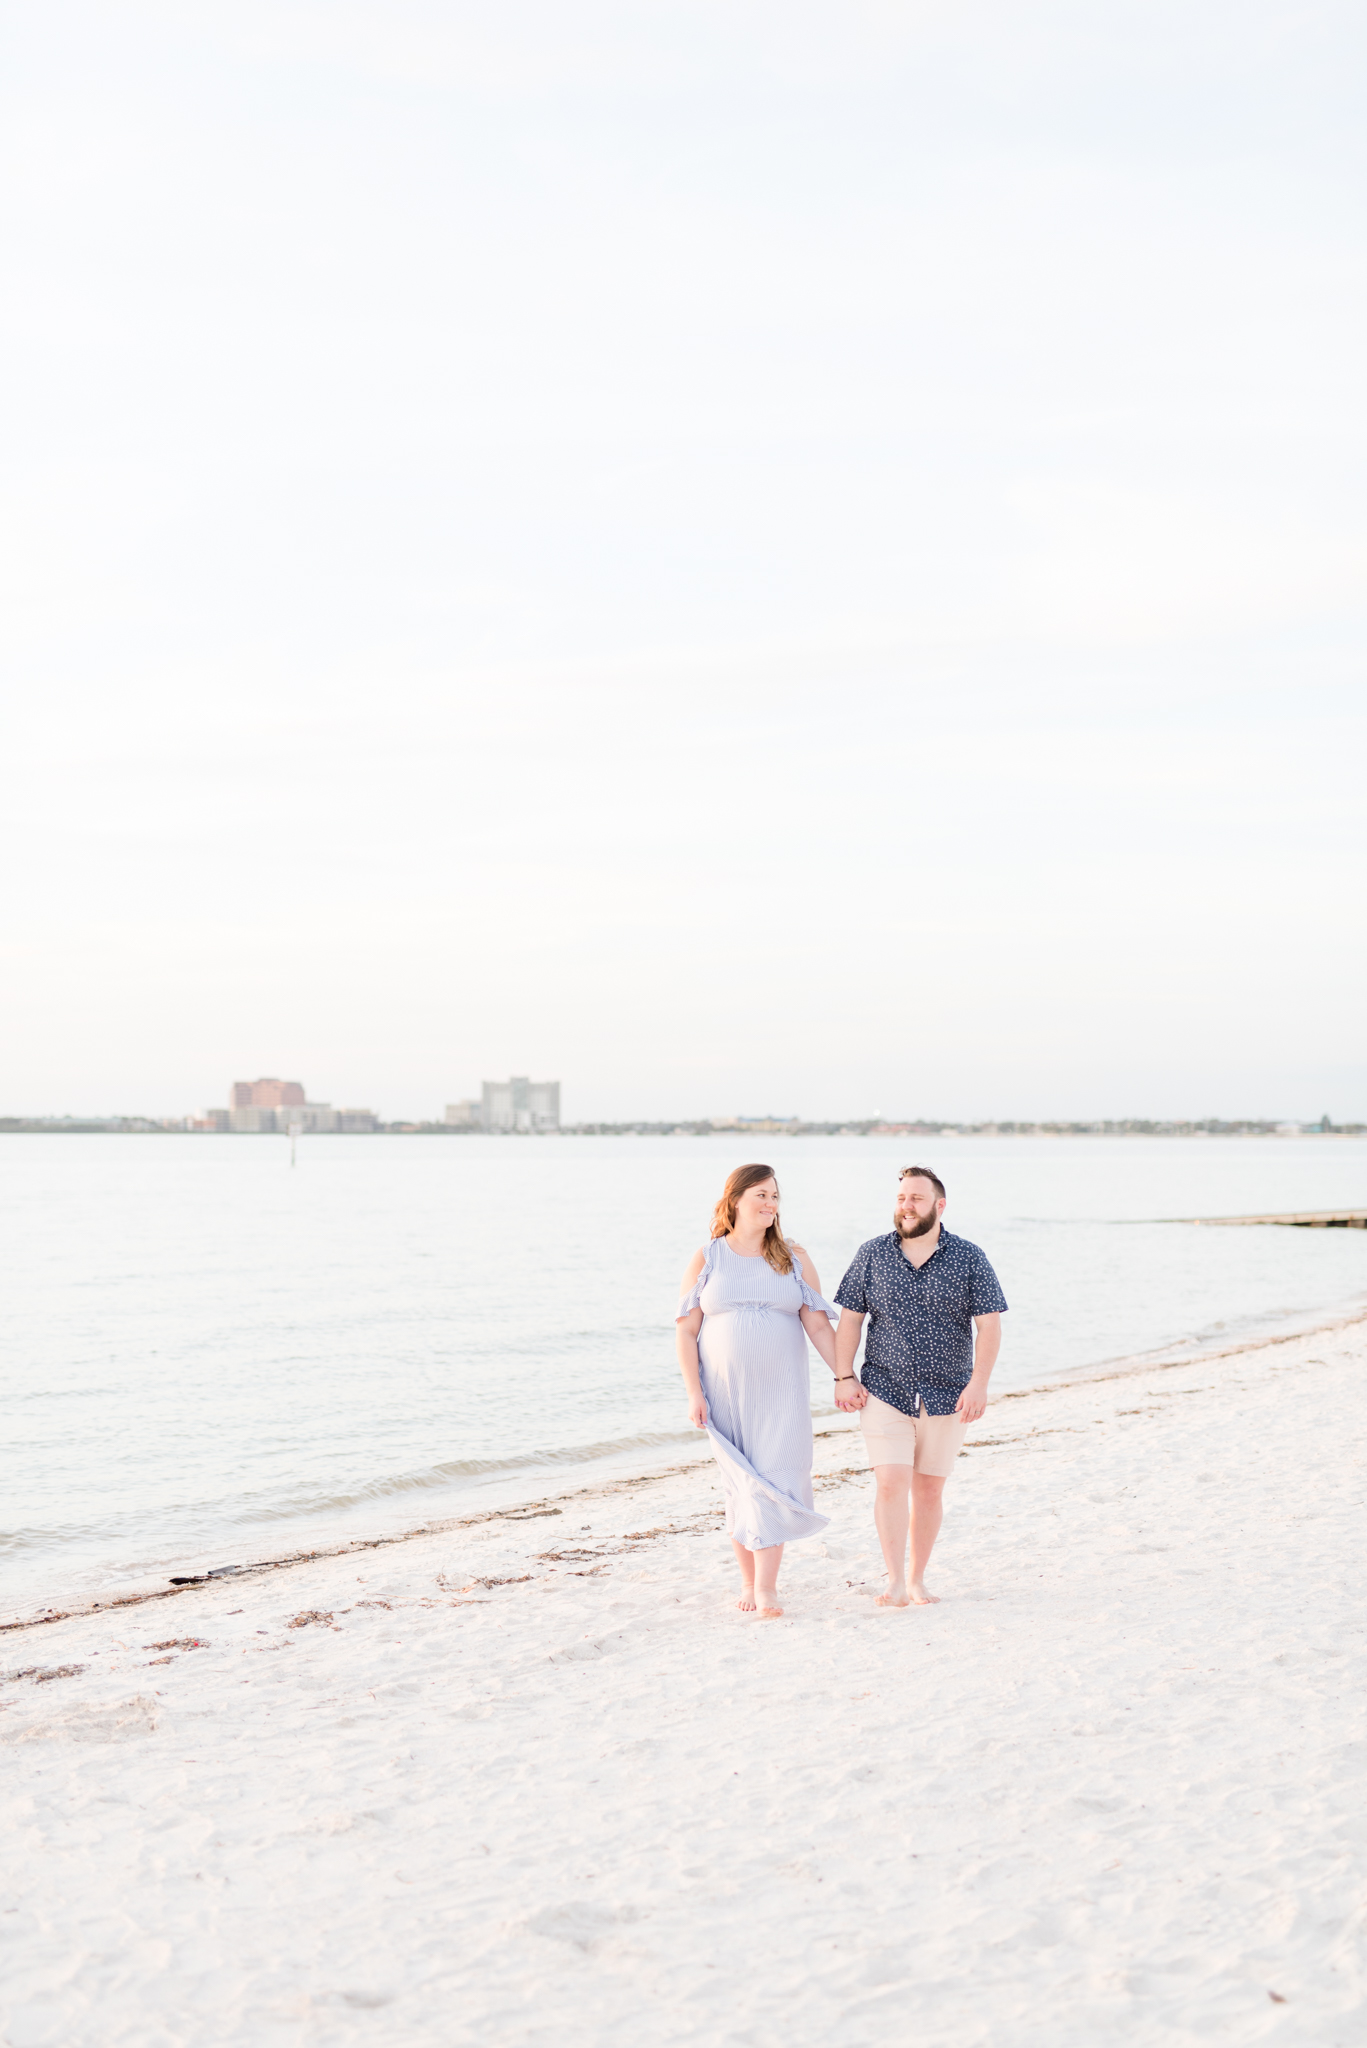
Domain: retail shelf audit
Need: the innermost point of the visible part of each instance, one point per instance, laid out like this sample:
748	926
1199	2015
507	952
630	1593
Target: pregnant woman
747	1297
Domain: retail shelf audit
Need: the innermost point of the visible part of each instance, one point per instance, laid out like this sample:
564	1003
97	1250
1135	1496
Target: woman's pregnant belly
749	1339
755	1382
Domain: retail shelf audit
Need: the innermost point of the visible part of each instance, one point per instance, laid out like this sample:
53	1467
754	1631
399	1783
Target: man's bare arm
987	1343
848	1392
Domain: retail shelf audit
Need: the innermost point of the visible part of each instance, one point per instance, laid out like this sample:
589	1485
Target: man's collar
895	1236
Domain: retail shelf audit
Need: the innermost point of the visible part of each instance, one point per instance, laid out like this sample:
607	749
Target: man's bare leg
746	1560
767	1563
927	1513
891	1517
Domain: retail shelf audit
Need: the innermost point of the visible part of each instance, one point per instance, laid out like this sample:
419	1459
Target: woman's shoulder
801	1258
696	1263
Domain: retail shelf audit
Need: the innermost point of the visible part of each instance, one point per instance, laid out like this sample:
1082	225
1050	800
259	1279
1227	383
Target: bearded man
935	1310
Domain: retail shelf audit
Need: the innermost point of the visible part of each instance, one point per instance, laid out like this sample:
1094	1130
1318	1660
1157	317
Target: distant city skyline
506	1110
520	1104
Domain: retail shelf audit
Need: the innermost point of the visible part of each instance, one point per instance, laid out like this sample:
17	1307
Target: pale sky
748	557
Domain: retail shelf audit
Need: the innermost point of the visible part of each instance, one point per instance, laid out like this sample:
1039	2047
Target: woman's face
757	1208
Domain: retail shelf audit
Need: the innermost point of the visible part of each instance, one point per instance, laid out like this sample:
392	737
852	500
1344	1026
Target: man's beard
920	1228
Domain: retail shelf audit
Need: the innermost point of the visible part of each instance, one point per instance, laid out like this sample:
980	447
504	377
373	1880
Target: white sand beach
534	1779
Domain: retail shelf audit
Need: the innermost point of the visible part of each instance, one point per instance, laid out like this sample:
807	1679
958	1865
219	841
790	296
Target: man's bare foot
894	1597
746	1602
767	1604
920	1597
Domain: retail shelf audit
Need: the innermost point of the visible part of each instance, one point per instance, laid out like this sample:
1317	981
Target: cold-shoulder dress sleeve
693	1298
810	1297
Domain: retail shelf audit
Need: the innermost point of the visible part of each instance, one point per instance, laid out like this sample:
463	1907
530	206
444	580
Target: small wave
1216	1340
303	1504
452	1471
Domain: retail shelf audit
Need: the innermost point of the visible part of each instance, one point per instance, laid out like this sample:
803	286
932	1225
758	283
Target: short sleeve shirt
918	1345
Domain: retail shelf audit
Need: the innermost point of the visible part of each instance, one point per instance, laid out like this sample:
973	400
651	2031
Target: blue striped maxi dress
753	1352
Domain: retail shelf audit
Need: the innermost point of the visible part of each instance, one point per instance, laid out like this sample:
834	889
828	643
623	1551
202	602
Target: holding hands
850	1394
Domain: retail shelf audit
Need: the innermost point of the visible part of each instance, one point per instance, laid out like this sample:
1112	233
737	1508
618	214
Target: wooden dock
1304	1219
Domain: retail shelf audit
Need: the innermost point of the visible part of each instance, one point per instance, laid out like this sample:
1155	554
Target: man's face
919	1207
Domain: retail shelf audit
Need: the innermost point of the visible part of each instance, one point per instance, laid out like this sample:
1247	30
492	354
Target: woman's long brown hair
776	1251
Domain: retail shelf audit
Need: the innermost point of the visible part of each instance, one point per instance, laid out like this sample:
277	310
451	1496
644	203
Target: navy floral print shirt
918	1342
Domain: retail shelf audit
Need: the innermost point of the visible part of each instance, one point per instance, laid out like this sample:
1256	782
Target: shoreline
535	1776
534	1506
169	1428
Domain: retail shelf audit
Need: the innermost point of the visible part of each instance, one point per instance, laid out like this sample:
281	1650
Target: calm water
210	1357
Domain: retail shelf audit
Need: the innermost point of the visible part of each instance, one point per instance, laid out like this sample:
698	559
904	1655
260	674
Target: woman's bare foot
767	1604
920	1597
746	1602
896	1596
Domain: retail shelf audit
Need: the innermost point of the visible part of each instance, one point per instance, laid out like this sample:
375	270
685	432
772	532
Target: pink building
268	1094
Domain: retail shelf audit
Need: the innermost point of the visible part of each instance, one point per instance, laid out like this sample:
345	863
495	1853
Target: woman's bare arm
814	1322
686	1330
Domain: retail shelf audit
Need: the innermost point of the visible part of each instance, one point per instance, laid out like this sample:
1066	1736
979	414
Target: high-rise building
268	1095
521	1105
270	1105
543	1105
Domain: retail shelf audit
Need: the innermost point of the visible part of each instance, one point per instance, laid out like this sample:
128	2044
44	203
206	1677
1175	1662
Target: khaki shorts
928	1443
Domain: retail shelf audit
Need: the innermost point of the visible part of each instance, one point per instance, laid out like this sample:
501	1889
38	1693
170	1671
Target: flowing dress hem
774	1516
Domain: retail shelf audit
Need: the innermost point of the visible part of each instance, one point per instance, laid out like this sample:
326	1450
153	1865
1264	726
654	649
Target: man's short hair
924	1173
